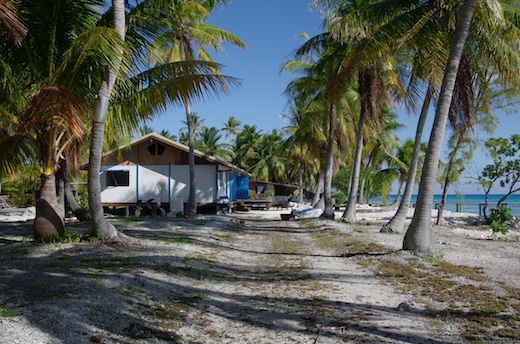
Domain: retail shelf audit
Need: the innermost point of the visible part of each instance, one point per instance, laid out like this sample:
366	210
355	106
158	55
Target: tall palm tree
149	91
397	222
419	234
100	227
187	37
319	92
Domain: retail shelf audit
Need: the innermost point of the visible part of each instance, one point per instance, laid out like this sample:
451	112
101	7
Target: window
118	178
156	149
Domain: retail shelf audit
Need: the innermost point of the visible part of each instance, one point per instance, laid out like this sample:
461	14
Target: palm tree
54	116
186	38
100	227
147	92
231	127
378	149
145	130
245	146
419	234
301	145
166	133
397	222
183	138
208	142
55	69
269	158
197	124
330	101
462	148
398	168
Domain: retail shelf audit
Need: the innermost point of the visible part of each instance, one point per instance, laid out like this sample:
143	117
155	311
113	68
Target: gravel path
239	278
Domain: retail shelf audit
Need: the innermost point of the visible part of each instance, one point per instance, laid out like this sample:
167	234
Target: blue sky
270	29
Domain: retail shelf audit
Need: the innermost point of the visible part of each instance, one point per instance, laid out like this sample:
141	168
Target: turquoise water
470	203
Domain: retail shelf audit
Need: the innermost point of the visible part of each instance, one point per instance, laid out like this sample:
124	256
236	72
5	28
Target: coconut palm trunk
100	226
350	212
49	219
396	224
419	236
328	212
80	213
447	181
191	207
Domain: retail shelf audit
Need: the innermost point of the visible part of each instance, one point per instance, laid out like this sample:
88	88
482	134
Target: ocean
470	203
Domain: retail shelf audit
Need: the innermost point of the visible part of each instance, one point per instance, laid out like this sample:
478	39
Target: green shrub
340	197
498	218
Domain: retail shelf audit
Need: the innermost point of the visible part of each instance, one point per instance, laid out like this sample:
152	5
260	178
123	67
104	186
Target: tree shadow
124	293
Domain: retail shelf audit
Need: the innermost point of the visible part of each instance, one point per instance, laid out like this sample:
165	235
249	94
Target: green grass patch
7	312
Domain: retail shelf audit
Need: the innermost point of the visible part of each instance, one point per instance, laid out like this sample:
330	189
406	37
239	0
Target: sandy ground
237	278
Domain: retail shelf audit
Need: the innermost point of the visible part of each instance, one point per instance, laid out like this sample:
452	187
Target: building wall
159	182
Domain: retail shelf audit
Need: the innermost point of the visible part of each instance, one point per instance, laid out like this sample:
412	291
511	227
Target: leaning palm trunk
80	213
328	212
419	236
397	196
49	217
317	189
191	207
350	212
100	227
396	224
442	204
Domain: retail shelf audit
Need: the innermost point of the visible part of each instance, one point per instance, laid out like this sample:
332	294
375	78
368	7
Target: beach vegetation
504	171
498	219
461	146
339	196
7	312
463	289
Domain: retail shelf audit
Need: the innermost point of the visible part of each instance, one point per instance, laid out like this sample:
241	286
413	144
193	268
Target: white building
156	168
